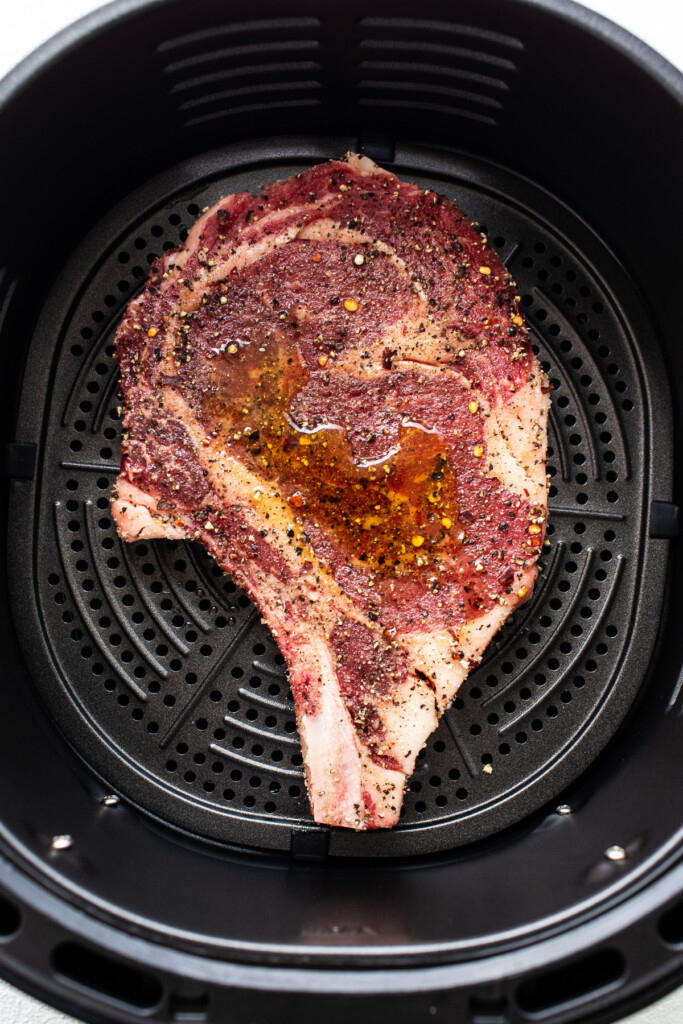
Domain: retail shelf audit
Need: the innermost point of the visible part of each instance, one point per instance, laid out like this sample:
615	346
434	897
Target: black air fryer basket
157	858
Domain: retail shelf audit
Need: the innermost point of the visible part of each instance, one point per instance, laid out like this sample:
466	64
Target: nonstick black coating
160	672
532	922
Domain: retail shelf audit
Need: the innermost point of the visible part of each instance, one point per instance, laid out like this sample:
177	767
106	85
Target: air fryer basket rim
515	788
616	947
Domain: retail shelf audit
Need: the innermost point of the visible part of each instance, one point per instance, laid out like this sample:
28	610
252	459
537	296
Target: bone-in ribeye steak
331	388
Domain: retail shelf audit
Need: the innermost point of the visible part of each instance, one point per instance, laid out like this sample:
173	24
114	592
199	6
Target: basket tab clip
309	844
380	148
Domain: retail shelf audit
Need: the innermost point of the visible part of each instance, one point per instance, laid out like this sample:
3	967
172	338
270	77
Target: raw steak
330	387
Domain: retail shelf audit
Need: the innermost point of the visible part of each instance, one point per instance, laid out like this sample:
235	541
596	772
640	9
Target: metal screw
62	842
563	809
615	853
111	800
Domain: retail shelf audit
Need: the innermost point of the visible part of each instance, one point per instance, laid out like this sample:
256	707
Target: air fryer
158	860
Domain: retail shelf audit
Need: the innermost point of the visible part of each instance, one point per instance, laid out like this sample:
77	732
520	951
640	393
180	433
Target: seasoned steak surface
331	388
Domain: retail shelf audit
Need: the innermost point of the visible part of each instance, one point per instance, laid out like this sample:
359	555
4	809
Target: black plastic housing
543	111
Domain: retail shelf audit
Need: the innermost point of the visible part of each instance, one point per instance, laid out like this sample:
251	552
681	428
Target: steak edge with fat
331	388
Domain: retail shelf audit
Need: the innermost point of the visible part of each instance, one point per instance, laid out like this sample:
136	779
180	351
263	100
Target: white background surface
23	26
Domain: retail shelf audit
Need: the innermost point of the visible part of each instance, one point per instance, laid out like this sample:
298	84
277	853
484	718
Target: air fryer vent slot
444	51
415	27
124	983
236	80
421	73
670	926
198	42
240	55
243	67
572	982
10	919
437	67
414	87
158	648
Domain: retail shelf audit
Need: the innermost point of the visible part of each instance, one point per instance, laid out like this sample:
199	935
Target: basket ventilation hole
106	976
574	981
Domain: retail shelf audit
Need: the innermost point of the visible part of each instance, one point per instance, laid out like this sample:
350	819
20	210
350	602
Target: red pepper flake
387	356
317	257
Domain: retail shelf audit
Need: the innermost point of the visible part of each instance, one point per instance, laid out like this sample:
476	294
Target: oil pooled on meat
395	512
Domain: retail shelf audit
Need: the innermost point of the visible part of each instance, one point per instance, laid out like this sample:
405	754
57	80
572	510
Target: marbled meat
330	386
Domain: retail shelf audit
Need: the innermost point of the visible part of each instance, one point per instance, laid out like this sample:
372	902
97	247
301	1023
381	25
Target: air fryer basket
157	854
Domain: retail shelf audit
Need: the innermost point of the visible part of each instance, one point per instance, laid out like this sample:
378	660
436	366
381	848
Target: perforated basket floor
158	669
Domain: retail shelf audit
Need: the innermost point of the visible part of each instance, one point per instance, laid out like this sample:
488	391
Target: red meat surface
331	388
